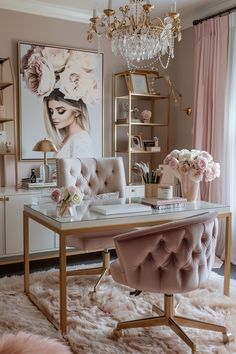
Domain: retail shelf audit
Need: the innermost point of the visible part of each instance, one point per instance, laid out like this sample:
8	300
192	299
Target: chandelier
140	40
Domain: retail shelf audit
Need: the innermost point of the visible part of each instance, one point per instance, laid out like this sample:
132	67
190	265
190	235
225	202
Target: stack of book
26	184
161	204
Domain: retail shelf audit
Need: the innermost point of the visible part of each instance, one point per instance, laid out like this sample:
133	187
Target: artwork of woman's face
61	113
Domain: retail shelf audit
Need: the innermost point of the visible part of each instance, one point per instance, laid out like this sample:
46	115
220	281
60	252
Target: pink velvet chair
176	257
94	177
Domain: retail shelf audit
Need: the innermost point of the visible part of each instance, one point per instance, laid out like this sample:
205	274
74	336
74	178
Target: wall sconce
187	110
178	97
45	146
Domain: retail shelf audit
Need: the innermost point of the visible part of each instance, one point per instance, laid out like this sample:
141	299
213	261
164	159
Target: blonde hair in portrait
79	108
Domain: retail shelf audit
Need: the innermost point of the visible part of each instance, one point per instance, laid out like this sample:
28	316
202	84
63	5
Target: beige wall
16	26
182	75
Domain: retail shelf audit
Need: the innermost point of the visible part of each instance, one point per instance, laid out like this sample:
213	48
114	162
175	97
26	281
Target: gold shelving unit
8	120
153	95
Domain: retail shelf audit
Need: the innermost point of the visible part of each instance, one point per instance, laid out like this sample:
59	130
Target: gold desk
86	220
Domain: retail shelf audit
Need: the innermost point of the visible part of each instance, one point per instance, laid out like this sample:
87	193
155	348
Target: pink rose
184	167
201	163
56	195
175	153
173	163
205	155
167	159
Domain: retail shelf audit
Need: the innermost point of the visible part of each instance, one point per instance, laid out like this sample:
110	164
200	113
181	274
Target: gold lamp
45	146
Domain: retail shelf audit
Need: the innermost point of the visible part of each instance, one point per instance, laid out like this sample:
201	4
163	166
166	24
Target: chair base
168	318
103	270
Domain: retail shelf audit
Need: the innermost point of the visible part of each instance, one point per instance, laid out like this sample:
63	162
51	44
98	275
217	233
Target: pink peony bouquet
67	196
146	116
194	163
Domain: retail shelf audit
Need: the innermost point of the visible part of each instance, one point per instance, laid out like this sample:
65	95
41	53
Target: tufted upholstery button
105	183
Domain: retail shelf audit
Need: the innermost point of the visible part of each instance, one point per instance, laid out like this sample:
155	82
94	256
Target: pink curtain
211	38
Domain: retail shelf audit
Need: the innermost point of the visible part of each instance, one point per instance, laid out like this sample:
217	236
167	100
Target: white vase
189	188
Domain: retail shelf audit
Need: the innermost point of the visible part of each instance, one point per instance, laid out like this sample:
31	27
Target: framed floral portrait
60	99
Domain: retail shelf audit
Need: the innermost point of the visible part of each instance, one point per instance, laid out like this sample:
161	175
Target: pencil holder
151	190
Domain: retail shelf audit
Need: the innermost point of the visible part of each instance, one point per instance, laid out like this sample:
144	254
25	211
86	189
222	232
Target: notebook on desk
113	209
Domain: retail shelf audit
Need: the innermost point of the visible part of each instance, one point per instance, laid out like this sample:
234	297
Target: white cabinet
11	229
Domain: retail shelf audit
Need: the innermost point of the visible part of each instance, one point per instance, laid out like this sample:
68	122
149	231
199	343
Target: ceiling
81	10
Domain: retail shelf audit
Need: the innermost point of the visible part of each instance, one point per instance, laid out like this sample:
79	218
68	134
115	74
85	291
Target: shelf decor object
135	35
45	146
8	128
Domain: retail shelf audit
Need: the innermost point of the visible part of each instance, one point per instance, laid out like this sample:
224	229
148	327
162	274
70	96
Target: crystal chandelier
140	40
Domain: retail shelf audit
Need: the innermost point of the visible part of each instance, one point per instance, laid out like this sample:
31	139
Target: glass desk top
85	216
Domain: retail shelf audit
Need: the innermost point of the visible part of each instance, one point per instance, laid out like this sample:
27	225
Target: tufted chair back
170	258
92	176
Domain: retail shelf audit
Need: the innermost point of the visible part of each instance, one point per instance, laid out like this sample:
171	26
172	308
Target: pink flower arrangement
146	116
67	196
195	163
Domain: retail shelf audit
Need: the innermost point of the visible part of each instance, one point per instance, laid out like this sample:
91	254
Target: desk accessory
156	203
113	209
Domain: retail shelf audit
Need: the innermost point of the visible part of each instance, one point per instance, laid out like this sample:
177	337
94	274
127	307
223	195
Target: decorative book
28	185
112	209
156	203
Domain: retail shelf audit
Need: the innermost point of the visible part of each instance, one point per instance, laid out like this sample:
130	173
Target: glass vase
189	188
66	211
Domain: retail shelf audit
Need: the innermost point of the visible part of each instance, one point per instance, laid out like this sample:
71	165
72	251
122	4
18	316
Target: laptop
113	209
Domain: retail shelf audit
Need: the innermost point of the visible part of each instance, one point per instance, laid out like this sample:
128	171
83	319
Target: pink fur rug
91	322
26	343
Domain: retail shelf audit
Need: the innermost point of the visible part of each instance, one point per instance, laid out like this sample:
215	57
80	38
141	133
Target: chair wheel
92	295
117	333
227	338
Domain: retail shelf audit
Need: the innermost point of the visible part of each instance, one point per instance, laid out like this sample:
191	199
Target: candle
94	13
109	4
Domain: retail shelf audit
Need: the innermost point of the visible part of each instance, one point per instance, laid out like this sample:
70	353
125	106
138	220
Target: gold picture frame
139	83
32	123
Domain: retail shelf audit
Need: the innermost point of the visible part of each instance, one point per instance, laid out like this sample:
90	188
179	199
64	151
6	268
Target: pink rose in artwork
56	56
73	82
39	75
86	60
